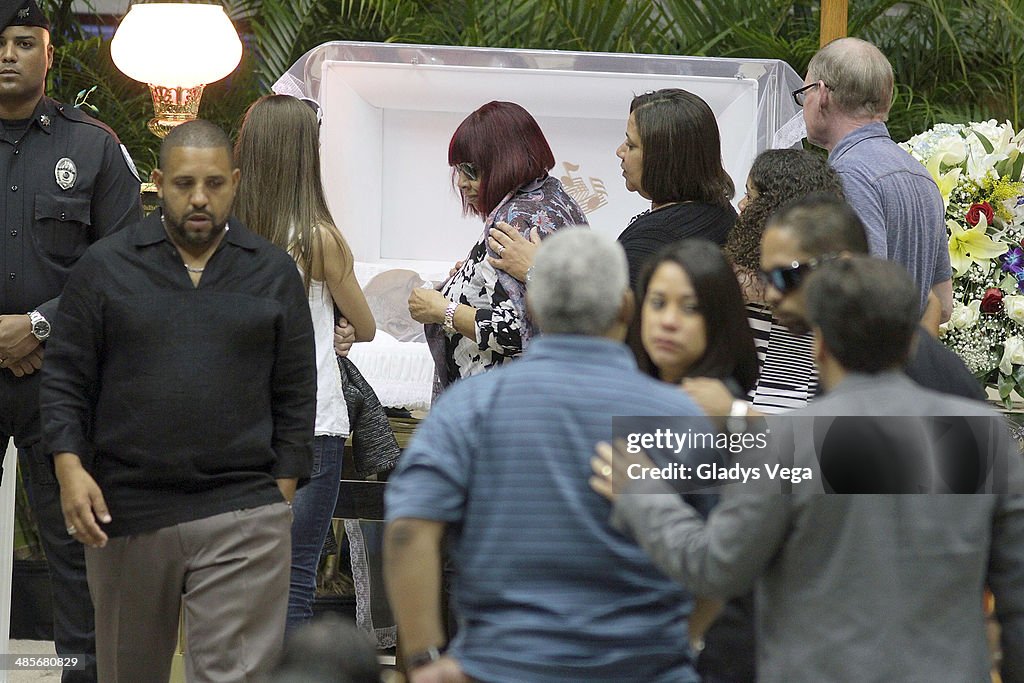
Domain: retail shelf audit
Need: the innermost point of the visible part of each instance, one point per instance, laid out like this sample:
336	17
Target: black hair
823	224
682	150
779	176
867	310
730	352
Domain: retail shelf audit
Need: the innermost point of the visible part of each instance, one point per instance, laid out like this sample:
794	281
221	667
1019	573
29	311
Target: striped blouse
788	378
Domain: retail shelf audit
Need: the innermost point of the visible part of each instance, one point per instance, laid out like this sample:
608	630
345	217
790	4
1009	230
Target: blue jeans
312	509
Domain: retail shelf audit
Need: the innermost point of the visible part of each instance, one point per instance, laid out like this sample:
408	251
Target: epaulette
79	116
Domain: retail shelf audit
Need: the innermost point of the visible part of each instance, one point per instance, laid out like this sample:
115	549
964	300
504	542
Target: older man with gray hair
846	99
544	589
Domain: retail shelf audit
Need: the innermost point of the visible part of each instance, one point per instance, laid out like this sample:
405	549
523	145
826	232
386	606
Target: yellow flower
947	181
971	245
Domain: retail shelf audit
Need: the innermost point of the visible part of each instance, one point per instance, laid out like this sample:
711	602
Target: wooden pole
834	20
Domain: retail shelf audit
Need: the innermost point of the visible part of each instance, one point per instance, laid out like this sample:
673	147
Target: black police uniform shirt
65	182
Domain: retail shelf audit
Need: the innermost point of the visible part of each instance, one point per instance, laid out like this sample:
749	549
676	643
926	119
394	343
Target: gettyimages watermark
821	454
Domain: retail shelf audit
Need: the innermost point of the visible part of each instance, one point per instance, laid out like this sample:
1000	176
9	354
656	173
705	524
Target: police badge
66	173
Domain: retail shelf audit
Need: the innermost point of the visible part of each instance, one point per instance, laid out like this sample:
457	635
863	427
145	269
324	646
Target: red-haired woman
500	162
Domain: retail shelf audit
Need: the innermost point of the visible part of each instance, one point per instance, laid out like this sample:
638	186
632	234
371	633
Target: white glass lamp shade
176	45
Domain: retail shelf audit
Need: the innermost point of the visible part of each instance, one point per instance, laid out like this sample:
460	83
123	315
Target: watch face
41	329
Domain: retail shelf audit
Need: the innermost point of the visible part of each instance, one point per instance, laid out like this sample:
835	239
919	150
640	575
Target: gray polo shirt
898	201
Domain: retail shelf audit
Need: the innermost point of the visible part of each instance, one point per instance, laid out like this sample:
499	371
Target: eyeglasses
800	94
788	278
467	169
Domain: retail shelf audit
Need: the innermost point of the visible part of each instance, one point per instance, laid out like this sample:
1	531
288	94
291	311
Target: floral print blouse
503	327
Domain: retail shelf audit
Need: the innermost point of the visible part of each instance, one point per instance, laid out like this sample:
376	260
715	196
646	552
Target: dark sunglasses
787	278
467	169
800	94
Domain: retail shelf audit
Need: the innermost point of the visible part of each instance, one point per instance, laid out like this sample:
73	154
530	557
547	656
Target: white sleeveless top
331	409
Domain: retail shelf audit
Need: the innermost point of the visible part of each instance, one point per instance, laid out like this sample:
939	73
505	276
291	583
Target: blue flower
1013	260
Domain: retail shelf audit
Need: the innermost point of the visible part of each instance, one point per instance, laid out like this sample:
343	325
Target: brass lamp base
173	107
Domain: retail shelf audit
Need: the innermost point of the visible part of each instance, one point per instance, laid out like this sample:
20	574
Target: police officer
65	182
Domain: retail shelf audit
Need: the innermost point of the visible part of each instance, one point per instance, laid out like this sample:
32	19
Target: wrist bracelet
449	317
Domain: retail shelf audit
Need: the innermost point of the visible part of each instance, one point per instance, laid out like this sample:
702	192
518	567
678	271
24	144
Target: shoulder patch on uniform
79	116
131	164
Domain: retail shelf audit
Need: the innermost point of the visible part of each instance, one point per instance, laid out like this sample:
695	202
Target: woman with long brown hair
281	198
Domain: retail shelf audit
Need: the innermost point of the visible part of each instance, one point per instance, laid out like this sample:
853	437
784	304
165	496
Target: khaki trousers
228	574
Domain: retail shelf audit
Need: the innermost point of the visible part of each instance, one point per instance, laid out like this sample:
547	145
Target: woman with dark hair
672	156
692	324
500	162
692	321
788	377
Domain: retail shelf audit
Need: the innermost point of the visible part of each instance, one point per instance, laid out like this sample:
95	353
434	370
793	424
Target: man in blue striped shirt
544	589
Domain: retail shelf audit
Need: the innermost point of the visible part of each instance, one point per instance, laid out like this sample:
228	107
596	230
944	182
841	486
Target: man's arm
287	487
71	375
943	291
720	558
412	574
293	385
81	500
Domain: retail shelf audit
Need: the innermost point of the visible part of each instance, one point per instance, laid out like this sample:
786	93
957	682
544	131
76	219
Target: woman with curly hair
778	176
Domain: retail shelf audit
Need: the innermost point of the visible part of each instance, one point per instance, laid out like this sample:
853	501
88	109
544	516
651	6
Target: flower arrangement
978	168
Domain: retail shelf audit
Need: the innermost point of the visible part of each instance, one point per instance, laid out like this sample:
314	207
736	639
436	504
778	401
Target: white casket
389	112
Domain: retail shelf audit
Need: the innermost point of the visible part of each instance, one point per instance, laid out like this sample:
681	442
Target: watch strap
40	326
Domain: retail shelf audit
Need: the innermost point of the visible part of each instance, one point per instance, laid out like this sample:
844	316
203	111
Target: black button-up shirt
193	399
64	183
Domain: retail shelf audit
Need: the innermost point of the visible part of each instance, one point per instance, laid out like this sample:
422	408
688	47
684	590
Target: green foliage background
954	60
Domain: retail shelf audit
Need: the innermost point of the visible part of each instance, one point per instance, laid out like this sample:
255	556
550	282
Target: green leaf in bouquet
1018	375
1003	167
1018	167
1006	386
989	147
1008	284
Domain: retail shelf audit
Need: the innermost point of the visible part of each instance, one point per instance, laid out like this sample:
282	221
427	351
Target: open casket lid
389	112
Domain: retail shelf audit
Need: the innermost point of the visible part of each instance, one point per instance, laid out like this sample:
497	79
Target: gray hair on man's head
578	280
858	74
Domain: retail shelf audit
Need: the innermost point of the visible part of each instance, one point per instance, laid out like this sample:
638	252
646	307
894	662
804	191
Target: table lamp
176	49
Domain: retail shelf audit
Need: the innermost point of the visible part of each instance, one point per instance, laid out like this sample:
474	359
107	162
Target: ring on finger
501	250
606	471
72	530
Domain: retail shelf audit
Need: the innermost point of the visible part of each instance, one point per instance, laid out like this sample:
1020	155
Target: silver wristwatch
40	328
